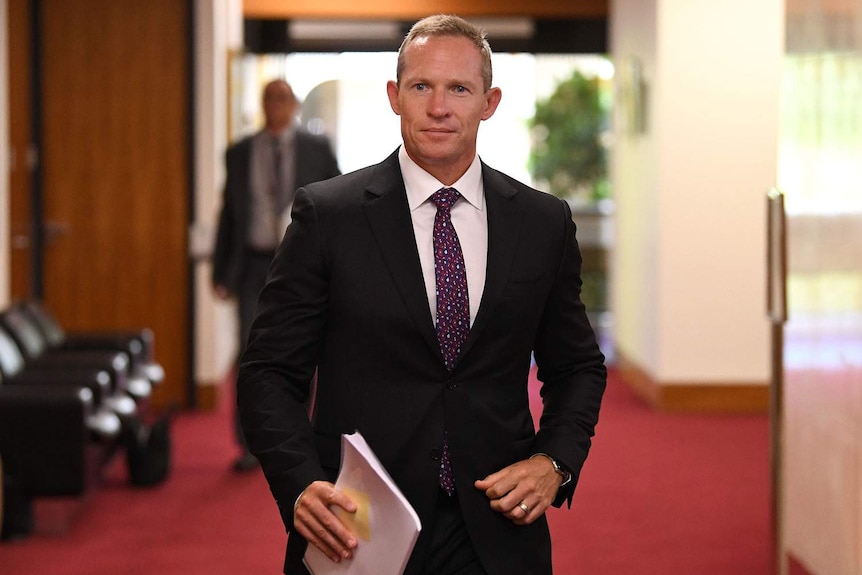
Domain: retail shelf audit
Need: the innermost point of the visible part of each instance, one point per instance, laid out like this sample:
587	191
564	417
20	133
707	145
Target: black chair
47	449
145	435
138	344
129	393
103	420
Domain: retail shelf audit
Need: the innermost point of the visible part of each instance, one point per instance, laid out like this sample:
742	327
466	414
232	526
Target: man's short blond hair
447	25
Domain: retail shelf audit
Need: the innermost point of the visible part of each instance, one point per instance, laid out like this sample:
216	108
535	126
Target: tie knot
445	197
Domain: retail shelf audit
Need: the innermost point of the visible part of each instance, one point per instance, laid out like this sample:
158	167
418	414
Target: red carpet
666	494
204	520
661	494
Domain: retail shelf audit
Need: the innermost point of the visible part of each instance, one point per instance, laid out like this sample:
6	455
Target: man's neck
277	130
447	174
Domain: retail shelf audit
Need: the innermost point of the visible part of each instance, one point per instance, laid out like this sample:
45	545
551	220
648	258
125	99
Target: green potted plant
568	157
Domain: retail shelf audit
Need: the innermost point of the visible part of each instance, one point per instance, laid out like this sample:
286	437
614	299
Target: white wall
688	274
218	31
634	187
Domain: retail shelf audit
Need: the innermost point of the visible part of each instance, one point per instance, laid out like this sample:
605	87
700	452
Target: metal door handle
776	258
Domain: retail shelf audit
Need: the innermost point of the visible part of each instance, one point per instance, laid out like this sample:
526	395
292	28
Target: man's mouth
438	131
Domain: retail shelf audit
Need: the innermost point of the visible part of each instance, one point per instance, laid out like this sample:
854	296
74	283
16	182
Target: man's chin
436	152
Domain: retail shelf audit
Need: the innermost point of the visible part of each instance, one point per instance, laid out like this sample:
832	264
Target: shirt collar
421	185
285	136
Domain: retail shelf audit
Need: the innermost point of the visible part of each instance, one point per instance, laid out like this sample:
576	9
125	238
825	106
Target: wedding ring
524	507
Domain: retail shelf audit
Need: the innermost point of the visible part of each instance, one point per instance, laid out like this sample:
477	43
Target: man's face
279	105
441	100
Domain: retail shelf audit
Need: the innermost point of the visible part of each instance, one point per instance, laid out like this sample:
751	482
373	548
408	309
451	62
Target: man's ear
492	100
392	92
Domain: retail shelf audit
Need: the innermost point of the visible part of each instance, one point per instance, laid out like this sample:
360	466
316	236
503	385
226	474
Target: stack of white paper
385	524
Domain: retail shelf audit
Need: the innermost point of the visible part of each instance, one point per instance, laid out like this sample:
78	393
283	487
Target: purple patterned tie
453	303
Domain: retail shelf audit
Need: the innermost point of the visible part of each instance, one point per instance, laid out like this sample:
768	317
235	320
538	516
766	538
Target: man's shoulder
508	186
243	145
343	187
357	182
306	138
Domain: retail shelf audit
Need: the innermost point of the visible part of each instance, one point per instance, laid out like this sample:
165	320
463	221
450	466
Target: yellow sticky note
357	522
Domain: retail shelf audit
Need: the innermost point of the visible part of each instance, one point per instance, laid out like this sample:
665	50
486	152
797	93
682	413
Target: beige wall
635	185
218	32
688	275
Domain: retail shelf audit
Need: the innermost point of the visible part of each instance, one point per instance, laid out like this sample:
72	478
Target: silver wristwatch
564	473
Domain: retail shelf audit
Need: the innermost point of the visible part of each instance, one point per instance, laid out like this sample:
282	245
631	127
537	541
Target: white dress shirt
469	218
267	223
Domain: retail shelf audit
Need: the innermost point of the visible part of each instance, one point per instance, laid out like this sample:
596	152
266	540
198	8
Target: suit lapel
388	215
504	230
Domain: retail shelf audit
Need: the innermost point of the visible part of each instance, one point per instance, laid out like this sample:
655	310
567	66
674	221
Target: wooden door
20	142
116	171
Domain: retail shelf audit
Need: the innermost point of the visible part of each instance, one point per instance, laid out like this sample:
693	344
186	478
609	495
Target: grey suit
346	297
240	270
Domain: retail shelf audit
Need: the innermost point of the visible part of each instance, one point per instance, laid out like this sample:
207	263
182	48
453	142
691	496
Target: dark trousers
255	269
451	551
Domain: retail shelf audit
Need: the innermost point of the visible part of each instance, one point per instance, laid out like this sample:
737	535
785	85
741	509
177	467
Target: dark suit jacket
314	161
346	296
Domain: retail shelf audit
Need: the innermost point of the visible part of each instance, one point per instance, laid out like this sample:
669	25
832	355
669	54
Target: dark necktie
453	303
277	189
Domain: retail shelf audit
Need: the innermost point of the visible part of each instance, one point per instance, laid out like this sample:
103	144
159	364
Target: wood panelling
20	173
116	164
706	397
410	9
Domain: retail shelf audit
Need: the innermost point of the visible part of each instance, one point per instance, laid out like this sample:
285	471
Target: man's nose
438	104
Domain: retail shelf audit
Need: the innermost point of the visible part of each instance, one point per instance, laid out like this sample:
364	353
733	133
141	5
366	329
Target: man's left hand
522	491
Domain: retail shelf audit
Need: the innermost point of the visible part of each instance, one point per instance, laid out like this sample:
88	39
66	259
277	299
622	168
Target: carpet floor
660	494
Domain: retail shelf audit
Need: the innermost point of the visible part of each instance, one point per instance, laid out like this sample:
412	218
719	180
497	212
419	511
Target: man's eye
420	87
460	89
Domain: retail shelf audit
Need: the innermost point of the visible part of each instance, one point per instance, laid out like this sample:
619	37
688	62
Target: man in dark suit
360	294
263	170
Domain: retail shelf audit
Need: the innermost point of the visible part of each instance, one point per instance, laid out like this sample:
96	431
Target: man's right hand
314	520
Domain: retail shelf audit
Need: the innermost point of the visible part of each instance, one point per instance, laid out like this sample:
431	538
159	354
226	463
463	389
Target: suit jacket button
451	385
436	453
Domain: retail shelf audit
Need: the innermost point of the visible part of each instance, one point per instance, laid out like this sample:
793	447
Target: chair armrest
98	381
115	363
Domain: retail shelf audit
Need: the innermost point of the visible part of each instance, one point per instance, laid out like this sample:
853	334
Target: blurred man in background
263	170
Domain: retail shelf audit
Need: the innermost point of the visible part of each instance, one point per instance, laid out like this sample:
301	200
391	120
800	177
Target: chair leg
17	519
